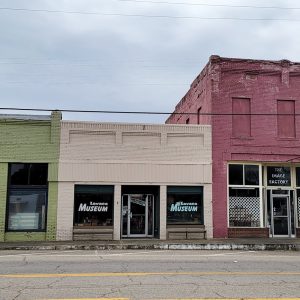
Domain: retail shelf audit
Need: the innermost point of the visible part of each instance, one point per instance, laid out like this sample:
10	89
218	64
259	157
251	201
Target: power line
148	16
211	5
144	112
91	83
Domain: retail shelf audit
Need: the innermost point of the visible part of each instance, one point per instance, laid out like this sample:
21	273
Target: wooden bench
186	233
92	234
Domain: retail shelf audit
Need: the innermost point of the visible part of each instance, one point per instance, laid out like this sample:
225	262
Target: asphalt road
162	274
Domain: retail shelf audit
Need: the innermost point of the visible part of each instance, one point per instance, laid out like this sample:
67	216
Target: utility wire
211	5
147	16
145	112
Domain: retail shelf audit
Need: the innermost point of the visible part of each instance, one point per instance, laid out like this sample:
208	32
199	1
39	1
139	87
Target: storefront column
65	211
117	213
163	213
207	207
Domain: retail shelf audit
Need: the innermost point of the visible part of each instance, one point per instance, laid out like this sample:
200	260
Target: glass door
137	215
281	215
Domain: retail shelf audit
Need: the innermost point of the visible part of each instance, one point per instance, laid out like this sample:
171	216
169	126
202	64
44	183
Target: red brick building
253	107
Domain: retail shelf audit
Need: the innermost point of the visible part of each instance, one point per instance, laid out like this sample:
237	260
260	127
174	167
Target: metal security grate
244	211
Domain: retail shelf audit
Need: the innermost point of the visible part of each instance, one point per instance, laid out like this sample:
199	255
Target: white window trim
259	186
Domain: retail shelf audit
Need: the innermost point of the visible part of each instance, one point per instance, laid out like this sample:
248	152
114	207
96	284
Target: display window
244	196
27	197
185	205
93	205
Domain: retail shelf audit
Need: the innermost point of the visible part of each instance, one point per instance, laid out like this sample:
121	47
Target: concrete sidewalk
259	244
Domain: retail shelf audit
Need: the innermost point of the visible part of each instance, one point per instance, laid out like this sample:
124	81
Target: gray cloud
52	60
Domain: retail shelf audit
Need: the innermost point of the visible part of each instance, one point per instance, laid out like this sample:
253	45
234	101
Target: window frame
244	186
244	180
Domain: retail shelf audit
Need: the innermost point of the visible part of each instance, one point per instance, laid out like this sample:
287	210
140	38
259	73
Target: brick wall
30	141
263	82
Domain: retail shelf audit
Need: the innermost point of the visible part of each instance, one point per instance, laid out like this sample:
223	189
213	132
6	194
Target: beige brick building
134	180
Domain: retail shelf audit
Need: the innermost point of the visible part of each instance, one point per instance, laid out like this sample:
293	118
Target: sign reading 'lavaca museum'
279	176
182	206
94	206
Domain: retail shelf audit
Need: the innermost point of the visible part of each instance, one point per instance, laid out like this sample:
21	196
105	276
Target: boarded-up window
286	118
241	119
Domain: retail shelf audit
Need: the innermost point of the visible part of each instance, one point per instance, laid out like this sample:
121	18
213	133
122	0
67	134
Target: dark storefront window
27	197
93	205
185	205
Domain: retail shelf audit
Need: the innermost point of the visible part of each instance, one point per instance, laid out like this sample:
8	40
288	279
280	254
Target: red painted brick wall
263	82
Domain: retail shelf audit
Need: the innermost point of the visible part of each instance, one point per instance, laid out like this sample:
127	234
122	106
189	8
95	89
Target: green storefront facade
29	153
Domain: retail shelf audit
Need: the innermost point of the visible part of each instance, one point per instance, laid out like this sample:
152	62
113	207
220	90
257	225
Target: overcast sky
113	60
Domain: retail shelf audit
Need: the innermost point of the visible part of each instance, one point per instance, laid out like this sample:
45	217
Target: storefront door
137	215
281	215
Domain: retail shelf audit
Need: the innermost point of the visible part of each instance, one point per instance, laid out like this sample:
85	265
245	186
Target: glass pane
244	207
93	208
137	214
236	174
280	216
281	226
280	208
19	174
298	176
279	176
27	210
38	174
124	214
184	208
251	175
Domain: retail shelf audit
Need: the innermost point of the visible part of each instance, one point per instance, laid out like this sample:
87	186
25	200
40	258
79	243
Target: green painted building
29	152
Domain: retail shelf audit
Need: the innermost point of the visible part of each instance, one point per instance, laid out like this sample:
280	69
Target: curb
159	246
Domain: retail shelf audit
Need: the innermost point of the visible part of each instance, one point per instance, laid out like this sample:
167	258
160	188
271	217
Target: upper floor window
241	119
286	118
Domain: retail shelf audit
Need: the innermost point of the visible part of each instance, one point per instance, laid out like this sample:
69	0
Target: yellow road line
179	299
37	275
88	299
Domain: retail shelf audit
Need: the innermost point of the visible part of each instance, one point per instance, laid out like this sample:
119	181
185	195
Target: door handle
131	215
